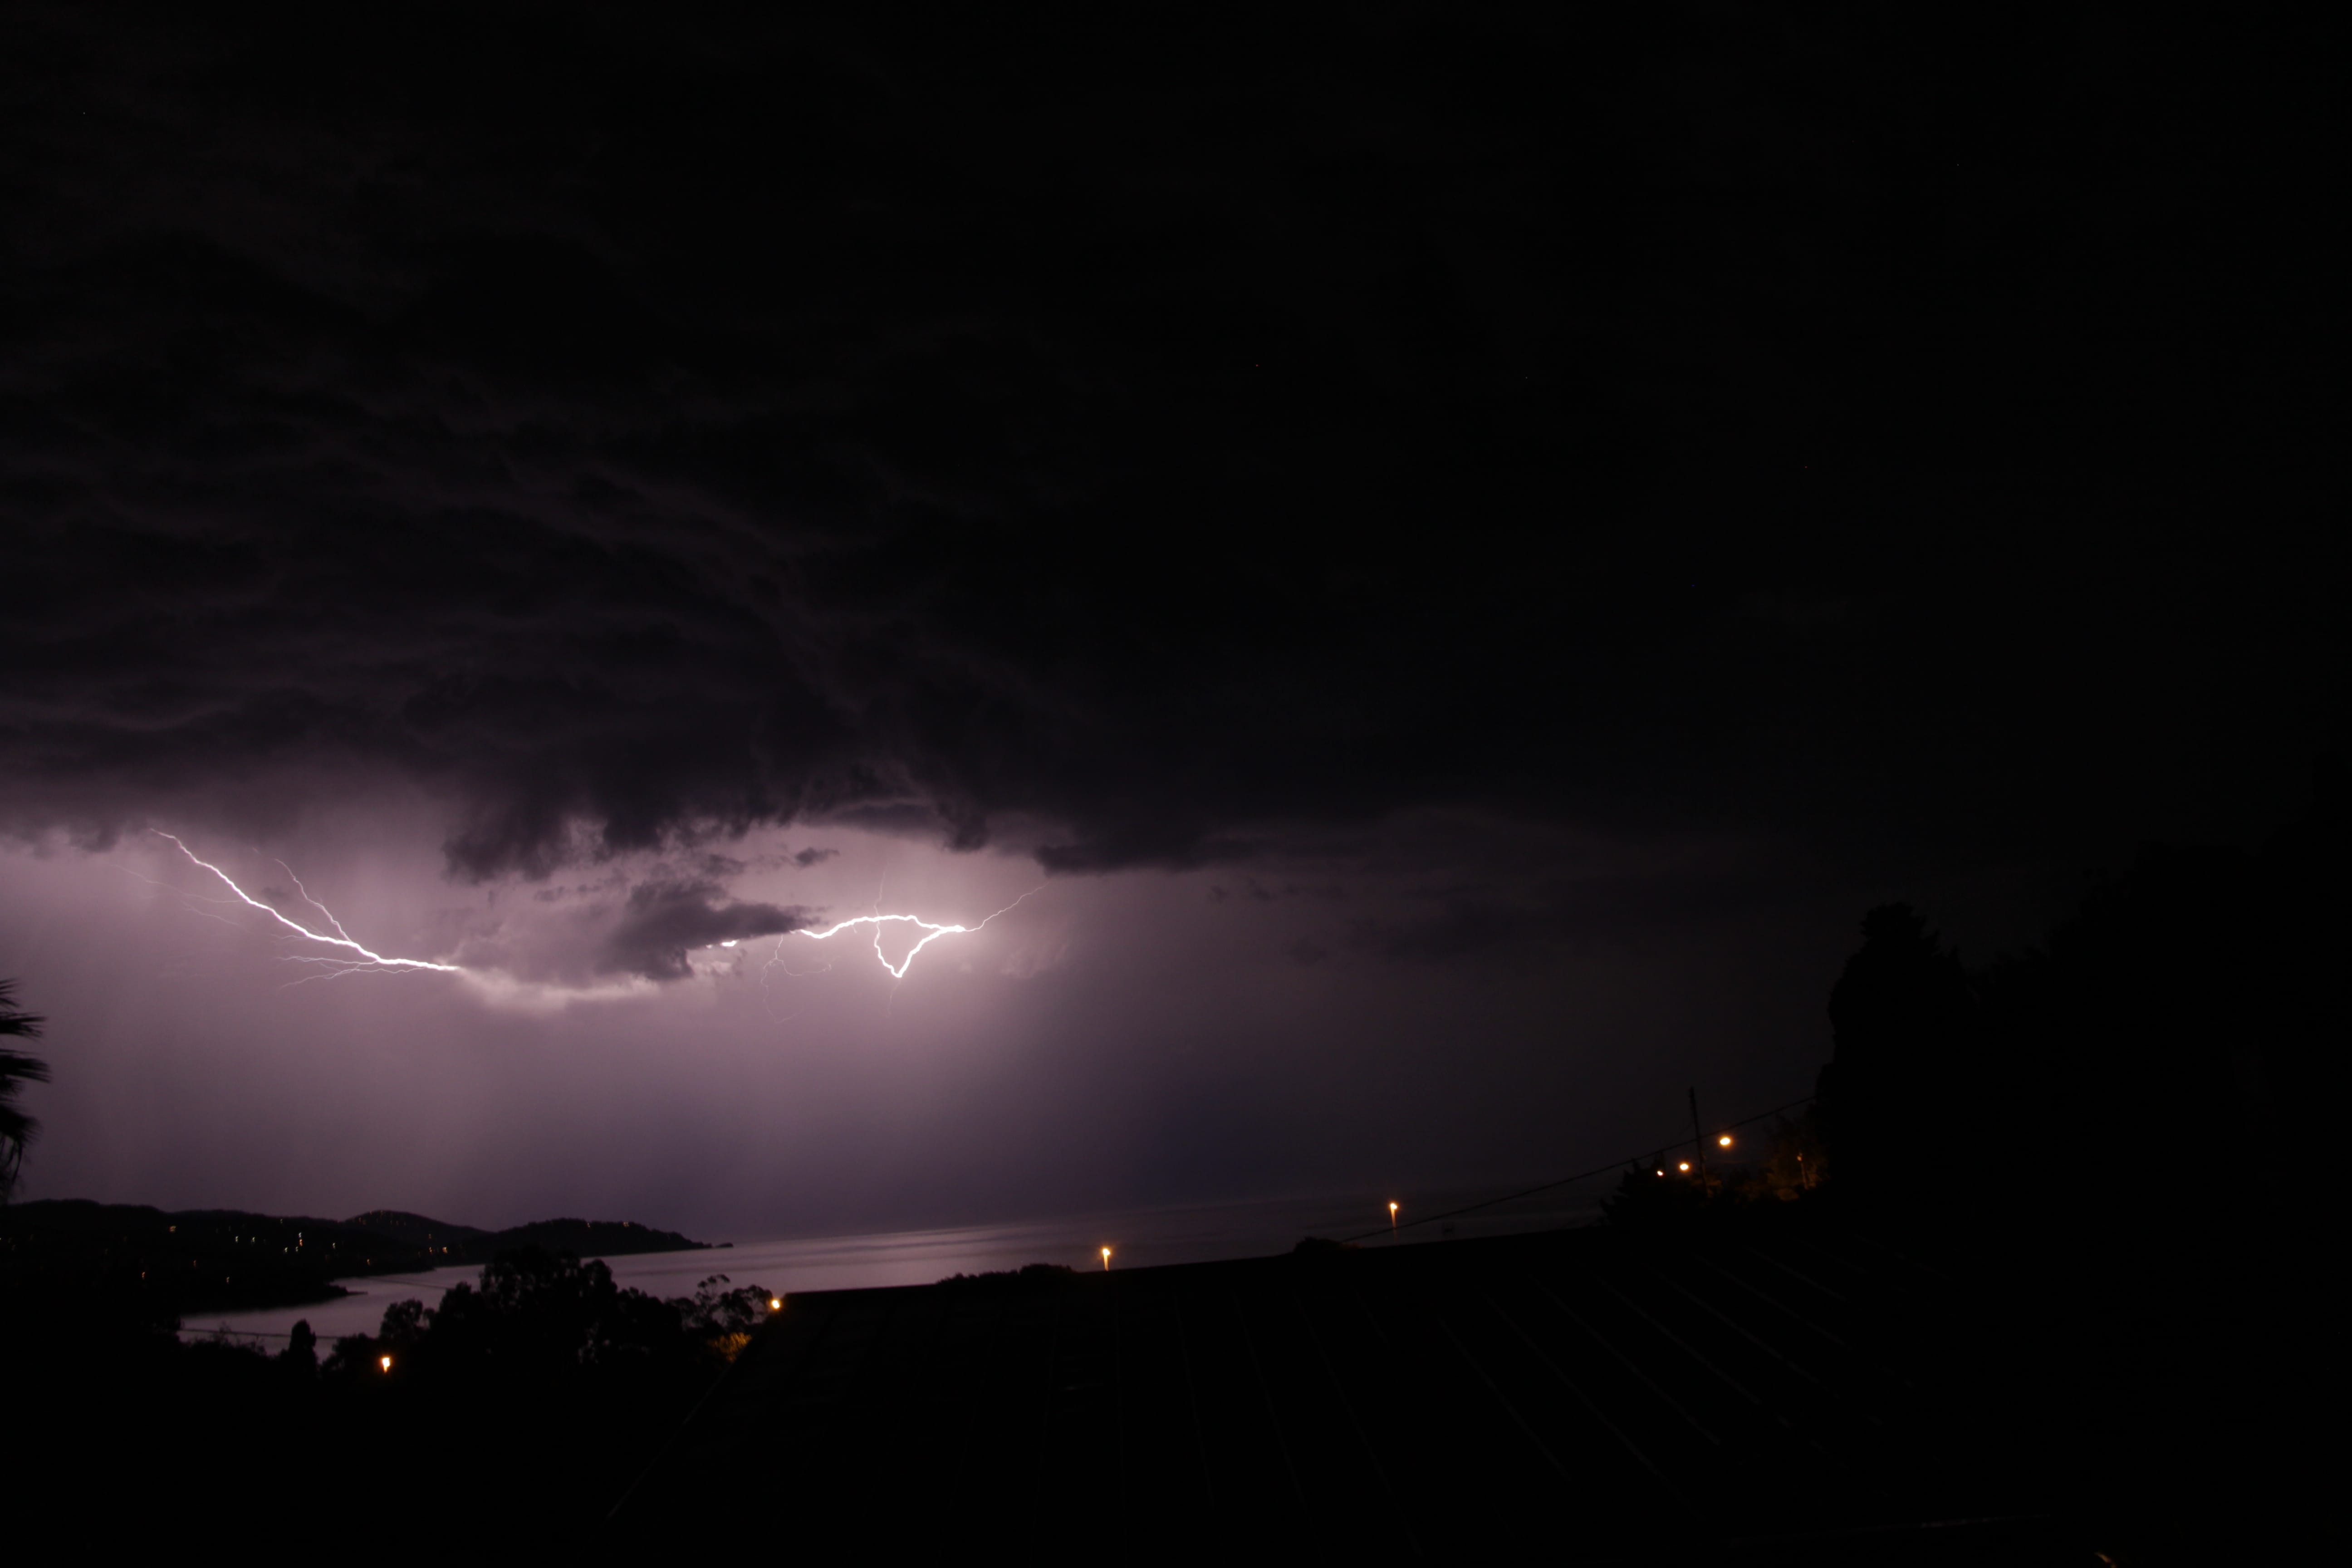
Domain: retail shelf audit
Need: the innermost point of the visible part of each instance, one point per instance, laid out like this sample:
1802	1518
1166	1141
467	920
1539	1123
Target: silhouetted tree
2185	1009
1899	1017
403	1325
535	1311
301	1353
353	1354
723	1319
551	1320
17	1068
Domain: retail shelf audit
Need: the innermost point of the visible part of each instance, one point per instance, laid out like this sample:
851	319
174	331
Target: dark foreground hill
1797	1389
1764	1399
1791	1387
149	1266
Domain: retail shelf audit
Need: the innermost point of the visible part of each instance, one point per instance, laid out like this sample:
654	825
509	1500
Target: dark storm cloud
1506	916
640	430
663	922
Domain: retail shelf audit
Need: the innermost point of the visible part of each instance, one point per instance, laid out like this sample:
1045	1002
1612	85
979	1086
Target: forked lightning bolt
367	961
364	962
931	933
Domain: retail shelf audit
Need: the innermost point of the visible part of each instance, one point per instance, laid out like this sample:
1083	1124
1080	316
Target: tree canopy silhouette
2188	1005
549	1317
1899	1014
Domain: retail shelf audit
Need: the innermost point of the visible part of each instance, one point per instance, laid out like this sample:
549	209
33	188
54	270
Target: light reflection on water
1139	1238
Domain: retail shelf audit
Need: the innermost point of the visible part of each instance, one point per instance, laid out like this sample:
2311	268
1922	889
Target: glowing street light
1683	1167
384	1362
1105	1252
775	1303
1391	1222
1725	1140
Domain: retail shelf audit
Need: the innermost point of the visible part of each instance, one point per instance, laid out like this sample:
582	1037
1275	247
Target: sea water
1139	1238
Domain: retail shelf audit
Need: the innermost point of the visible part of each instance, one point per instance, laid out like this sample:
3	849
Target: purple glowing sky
1144	1038
1442	563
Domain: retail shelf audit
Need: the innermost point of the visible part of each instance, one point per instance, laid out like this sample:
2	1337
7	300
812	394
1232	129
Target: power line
1564	1181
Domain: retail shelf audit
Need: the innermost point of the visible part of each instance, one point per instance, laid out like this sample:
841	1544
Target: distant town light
775	1303
384	1362
1105	1252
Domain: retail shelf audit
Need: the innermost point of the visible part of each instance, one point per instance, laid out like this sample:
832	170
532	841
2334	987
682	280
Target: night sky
1450	557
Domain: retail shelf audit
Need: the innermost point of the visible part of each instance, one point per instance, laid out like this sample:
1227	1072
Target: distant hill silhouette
585	1238
467	1244
155	1266
416	1229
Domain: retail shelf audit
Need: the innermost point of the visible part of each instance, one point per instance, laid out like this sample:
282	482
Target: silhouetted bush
1321	1246
538	1315
1657	1196
1028	1277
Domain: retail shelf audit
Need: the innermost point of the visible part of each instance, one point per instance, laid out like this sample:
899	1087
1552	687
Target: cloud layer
666	920
638	432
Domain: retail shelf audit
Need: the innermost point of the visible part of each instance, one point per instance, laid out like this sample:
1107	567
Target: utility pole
1698	1139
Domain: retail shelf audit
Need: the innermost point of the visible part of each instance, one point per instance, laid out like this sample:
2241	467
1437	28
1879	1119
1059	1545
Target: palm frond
17	1067
14	1020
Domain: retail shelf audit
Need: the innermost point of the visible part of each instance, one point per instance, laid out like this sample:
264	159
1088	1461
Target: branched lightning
931	933
313	902
366	962
357	959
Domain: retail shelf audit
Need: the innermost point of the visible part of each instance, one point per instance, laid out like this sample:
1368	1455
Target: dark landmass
584	1238
1812	1381
156	1266
1659	1399
416	1229
1806	1382
519	1406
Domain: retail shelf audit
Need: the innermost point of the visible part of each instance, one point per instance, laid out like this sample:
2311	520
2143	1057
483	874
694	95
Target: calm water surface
1139	1238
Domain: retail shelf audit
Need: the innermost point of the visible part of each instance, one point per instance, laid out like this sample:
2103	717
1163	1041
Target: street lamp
1392	1222
1105	1252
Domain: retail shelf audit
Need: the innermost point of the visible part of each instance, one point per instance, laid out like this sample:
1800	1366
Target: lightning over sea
357	959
